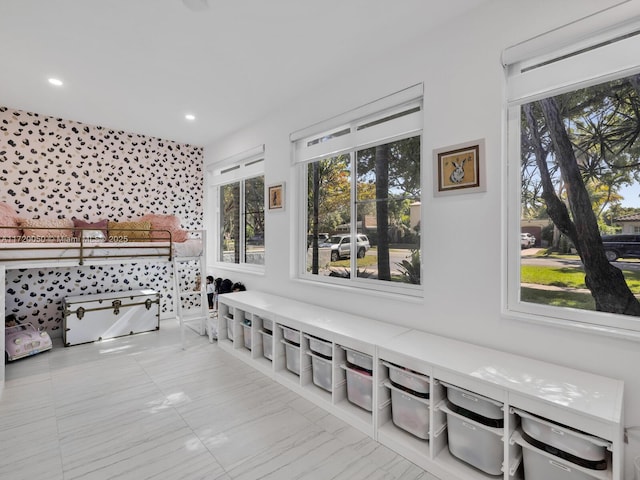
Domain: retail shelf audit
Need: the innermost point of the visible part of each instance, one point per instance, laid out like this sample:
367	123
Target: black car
626	245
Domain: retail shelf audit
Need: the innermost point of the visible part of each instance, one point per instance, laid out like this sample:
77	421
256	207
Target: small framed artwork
276	196
459	168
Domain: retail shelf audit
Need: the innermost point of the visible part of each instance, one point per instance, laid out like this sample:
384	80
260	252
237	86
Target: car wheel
611	255
335	256
361	252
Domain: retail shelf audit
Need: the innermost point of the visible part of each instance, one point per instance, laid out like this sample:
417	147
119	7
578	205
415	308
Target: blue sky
631	196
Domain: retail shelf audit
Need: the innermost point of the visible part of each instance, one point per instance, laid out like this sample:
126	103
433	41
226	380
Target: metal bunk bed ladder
192	308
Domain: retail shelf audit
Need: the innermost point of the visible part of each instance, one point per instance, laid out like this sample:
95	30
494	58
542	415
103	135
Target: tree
382	210
394	169
611	114
328	199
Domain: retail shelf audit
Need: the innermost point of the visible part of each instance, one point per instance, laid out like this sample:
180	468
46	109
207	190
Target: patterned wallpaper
55	168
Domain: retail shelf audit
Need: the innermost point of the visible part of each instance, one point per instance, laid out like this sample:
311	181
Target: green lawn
569	277
583	301
565	277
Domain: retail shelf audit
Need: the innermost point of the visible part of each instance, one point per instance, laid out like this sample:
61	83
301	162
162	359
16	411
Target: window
237	190
574	153
362	181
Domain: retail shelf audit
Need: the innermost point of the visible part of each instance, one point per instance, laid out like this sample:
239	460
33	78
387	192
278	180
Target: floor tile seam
54	405
345	444
201	440
176	410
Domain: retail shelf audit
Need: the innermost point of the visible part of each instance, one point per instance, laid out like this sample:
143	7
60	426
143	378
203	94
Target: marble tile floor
142	407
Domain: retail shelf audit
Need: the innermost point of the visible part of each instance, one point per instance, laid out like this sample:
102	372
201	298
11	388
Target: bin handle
344	367
420	376
584	436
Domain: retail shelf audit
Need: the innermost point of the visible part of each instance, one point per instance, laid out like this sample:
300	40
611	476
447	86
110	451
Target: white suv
341	246
527	240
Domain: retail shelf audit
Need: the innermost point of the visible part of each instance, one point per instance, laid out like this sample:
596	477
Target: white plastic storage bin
538	466
358	359
230	327
474	403
413	381
267	325
247	335
319	346
409	412
571	445
291	335
360	388
475	444
292	355
322	368
267	345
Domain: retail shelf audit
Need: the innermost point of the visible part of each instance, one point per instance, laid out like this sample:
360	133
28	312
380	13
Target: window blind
592	50
387	119
242	165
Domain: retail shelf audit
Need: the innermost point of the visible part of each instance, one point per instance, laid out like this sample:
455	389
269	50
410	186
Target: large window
237	188
574	134
362	181
242	221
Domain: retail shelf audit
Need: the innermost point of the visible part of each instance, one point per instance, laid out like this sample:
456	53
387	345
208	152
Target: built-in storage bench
317	337
453	408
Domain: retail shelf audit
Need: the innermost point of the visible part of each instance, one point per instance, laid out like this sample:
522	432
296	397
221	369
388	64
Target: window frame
328	139
578	64
236	169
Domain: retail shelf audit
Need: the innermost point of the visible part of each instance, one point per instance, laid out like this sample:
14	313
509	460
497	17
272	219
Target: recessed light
56	82
196	5
189	116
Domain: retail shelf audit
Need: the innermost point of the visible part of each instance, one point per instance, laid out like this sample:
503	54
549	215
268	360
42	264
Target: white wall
463	252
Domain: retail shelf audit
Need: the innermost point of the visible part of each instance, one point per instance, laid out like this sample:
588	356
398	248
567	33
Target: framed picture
459	168
276	196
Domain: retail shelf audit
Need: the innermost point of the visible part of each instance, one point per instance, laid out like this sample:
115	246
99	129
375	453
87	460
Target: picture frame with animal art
459	168
276	196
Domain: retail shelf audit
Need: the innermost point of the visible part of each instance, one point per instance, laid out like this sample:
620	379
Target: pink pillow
165	222
9	218
99	225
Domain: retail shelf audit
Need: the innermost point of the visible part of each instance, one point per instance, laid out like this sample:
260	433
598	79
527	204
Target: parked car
621	246
341	246
23	340
257	239
527	240
322	238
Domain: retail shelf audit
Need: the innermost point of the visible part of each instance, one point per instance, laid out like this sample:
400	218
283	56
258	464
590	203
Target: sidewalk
555	288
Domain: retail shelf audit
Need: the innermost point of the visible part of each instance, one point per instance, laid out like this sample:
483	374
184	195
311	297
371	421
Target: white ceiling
141	65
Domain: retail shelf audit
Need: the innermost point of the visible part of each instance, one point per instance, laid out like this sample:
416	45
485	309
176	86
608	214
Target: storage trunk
88	318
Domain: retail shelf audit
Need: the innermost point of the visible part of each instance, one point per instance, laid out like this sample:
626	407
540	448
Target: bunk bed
35	251
52	247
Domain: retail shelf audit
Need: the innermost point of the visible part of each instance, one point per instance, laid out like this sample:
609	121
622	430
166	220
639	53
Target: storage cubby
459	408
318	377
264	347
247	339
514	451
550	449
239	331
226	324
353	392
286	355
405	400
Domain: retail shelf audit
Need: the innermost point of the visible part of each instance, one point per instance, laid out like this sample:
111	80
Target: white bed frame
81	252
